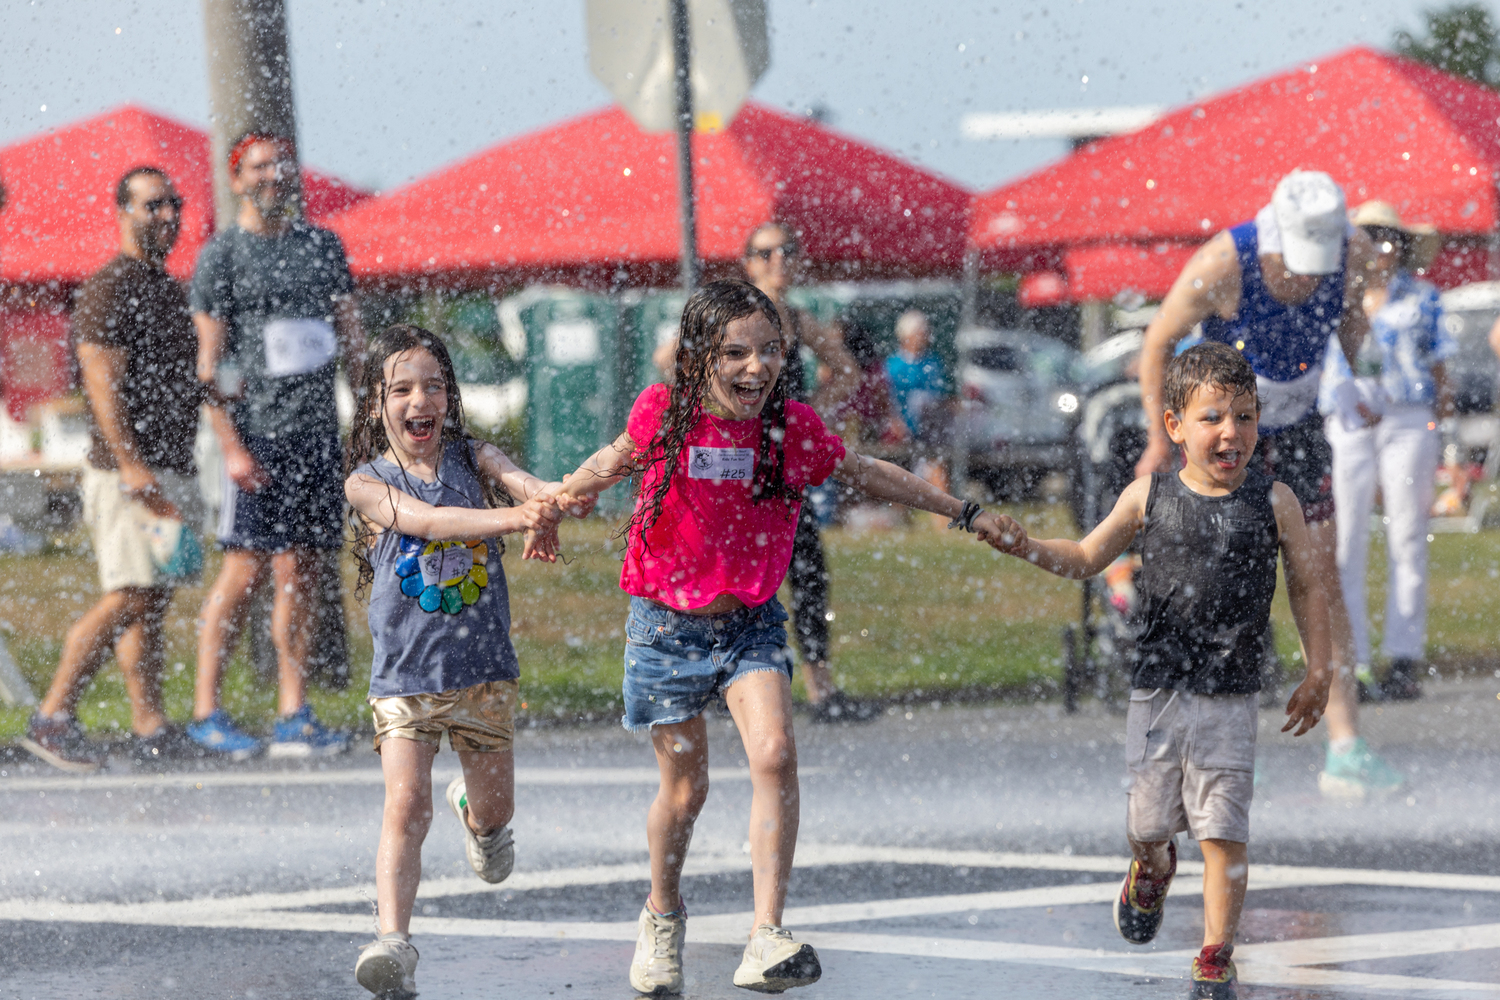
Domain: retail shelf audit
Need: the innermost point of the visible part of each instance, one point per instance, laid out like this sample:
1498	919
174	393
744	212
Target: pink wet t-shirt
711	538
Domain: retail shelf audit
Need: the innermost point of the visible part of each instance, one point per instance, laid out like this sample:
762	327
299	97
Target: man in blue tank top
1277	288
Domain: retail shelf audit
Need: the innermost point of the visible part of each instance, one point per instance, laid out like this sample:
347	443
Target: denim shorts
675	664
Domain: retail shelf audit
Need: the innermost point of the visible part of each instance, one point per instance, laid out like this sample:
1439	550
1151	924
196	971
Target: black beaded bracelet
965	520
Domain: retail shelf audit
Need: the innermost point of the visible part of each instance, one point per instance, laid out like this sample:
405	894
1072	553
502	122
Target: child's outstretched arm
887	481
1309	609
388	508
602	469
1076	560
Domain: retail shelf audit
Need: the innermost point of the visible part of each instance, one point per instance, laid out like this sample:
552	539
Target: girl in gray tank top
429	505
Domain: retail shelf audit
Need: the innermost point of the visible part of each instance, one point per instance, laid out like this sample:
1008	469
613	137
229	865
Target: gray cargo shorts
1190	761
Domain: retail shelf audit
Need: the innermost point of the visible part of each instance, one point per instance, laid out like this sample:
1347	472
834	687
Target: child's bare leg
490	788
761	704
407	765
1155	862
1342	714
1225	870
682	756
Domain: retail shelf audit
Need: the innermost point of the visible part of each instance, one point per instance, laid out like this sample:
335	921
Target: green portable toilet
649	317
570	347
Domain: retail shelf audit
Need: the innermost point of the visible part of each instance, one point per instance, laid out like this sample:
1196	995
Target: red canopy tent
594	200
1125	213
58	227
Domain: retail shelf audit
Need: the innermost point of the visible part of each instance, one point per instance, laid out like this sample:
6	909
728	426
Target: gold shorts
481	718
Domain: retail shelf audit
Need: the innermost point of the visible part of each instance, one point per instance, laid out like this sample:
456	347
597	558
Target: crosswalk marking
1288	964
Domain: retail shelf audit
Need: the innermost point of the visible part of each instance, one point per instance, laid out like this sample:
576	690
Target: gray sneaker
387	967
61	742
493	855
774	963
657	965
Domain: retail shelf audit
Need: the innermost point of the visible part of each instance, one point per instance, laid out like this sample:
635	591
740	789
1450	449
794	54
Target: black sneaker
1214	977
1401	683
167	743
63	744
839	707
1138	919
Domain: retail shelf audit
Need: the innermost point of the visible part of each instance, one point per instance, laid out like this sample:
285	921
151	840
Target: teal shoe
1357	773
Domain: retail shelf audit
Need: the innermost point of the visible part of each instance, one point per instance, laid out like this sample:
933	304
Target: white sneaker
387	967
493	855
774	963
657	966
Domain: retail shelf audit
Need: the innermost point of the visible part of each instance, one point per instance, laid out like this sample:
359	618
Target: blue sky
388	90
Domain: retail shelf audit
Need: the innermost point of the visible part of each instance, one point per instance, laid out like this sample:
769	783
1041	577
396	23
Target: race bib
446	567
721	463
1285	403
298	346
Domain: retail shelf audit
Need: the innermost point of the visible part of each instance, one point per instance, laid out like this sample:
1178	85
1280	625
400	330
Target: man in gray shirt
274	306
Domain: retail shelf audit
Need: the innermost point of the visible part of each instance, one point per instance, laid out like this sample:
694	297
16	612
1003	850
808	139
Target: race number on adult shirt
720	463
298	346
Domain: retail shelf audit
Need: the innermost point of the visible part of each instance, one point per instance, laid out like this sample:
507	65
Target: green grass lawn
918	613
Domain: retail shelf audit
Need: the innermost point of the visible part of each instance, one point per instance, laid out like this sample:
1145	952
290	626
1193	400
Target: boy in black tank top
1210	535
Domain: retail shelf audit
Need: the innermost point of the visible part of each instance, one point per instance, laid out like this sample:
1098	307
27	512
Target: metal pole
682	59
249	83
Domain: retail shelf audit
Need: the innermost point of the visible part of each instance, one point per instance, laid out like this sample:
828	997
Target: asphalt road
945	851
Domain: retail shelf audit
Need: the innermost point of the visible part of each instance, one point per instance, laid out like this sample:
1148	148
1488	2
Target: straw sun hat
1422	241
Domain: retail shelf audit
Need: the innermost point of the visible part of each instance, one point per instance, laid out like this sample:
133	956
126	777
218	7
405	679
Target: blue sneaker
1358	773
302	735
220	736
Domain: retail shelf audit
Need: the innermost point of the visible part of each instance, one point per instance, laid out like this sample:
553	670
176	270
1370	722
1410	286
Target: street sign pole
681	61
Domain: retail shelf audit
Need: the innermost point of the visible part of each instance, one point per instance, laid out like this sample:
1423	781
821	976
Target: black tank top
1207	578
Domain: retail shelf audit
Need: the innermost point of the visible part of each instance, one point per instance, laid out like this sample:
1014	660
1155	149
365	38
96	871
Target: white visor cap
1310	213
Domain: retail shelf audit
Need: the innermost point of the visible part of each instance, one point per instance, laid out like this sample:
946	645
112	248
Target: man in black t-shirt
274	306
136	354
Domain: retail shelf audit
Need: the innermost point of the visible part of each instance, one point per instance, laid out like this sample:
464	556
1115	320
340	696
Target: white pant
1399	454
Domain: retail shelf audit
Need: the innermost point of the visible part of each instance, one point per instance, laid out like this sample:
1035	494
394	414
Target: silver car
1020	399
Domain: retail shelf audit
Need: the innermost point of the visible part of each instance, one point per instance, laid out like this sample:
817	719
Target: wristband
965	520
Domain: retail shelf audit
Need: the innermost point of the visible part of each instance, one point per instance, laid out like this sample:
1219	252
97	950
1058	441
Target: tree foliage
1460	39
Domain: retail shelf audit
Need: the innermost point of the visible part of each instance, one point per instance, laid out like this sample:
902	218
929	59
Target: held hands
539	517
1307	703
1003	533
579	507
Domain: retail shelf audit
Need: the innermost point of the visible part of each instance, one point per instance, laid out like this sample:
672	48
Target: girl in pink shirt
723	457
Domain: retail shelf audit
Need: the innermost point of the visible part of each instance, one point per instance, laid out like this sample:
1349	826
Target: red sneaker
1138	907
1214	977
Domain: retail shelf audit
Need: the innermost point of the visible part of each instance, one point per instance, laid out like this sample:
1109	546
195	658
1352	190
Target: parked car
1020	399
1469	311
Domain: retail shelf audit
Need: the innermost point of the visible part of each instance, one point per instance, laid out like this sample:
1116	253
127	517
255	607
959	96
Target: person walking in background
919	381
136	357
771	252
274	305
1382	417
1276	288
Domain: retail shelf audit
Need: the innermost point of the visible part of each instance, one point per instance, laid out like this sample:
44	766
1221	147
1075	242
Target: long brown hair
368	440
700	341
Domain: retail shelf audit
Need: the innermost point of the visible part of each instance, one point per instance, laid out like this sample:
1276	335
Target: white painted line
1364	947
532	776
1283	964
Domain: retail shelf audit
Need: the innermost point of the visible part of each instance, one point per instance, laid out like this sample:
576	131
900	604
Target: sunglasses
766	253
157	204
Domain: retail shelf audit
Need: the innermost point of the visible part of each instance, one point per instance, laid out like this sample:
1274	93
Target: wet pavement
948	851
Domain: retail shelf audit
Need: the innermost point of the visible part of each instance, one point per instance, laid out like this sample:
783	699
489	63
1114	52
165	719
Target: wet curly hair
368	440
700	341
